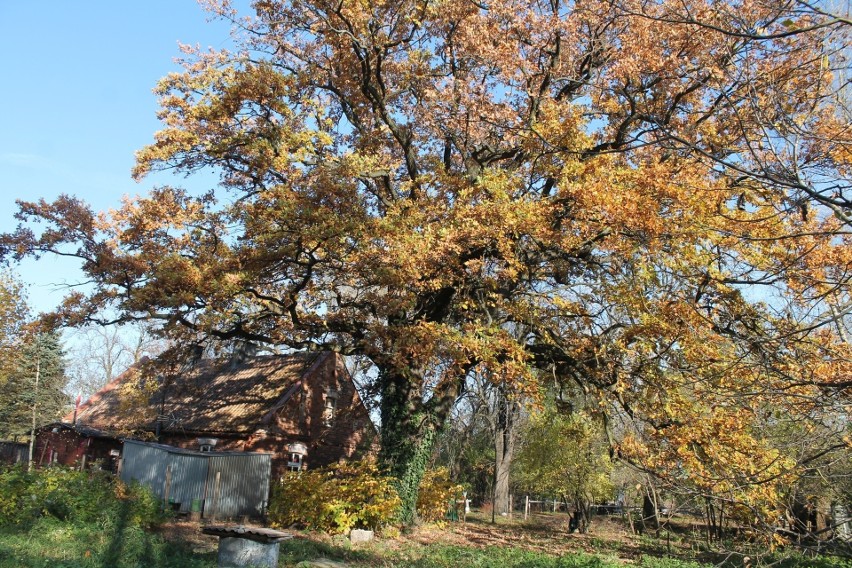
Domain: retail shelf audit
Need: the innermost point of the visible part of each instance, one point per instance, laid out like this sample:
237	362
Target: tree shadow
112	555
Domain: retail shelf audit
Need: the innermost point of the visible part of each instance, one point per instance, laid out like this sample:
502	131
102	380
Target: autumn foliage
334	499
647	200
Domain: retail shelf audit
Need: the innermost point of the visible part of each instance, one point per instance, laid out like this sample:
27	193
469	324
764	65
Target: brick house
303	408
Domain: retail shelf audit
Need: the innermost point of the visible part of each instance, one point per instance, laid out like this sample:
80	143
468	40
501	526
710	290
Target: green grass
50	543
439	555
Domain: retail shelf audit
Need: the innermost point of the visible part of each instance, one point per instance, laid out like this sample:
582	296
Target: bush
335	499
437	494
15	501
71	495
143	508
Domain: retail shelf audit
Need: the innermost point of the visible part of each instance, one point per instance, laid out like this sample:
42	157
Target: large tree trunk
409	428
504	446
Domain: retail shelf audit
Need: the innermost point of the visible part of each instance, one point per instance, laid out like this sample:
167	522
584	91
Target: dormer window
298	451
207	444
330	407
295	463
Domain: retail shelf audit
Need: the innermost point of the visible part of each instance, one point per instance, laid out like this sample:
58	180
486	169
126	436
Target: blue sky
77	104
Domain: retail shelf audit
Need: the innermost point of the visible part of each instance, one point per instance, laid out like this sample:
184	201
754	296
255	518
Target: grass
438	555
50	543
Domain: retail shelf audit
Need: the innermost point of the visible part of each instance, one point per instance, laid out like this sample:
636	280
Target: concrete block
358	535
241	552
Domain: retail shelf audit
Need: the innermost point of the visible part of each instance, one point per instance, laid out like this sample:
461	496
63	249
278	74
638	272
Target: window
295	463
297	451
330	407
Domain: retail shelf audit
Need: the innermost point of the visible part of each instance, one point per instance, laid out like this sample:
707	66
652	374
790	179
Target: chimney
243	350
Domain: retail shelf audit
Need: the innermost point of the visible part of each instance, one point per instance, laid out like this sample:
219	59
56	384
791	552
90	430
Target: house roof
212	396
187	452
79	428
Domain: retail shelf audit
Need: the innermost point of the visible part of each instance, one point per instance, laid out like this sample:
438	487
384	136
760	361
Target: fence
13	452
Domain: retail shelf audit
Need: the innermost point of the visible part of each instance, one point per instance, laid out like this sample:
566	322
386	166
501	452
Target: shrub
71	495
335	499
142	507
437	494
15	502
74	495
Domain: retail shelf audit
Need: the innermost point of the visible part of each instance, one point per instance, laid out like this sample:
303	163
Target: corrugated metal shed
228	484
243	485
189	476
145	463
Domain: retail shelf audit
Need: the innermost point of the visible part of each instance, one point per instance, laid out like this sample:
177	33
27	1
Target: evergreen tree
34	386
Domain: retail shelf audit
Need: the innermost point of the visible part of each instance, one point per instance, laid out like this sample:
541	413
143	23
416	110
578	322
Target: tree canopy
415	181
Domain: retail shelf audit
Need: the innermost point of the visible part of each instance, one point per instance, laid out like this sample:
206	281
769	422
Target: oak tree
414	181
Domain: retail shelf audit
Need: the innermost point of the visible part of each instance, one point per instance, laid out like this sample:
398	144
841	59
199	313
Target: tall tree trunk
409	428
504	446
34	412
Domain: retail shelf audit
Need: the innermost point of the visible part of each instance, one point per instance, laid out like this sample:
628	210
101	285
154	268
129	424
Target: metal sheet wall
144	464
243	478
243	485
189	476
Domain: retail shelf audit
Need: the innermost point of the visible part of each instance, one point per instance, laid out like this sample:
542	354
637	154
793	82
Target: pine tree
34	387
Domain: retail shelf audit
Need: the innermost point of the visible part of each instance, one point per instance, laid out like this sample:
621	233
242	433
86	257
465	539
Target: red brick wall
67	447
348	432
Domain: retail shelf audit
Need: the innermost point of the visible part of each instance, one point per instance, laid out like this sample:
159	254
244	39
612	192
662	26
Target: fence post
216	495
465	508
168	487
526	507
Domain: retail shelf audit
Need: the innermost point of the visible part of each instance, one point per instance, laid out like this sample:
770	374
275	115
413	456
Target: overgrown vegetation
565	456
62	517
354	495
334	499
437	494
77	496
